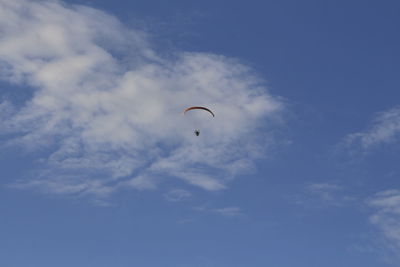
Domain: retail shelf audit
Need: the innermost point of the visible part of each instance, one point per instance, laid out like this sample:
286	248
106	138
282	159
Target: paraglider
197	131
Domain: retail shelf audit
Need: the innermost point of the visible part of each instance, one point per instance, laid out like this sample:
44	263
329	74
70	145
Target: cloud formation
323	195
107	108
176	195
385	129
327	192
229	211
387	216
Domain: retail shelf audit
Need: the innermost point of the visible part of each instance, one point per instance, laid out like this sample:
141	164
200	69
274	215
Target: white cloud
317	187
327	192
323	195
177	195
6	110
107	109
387	217
385	129
229	211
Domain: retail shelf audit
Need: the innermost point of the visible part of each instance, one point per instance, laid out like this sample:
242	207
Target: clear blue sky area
325	194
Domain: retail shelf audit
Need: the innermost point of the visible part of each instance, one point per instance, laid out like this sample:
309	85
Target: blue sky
298	168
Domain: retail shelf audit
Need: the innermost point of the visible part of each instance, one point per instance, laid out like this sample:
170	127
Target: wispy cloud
107	108
230	211
386	217
323	194
324	190
176	195
384	129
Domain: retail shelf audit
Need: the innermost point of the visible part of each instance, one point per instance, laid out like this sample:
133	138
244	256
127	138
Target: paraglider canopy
203	108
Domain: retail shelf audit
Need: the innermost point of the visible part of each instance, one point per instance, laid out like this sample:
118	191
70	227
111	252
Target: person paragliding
197	131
